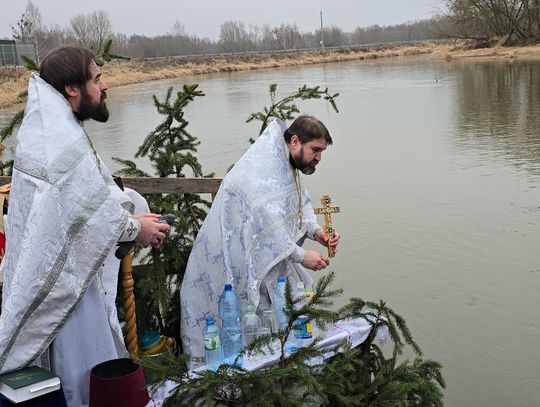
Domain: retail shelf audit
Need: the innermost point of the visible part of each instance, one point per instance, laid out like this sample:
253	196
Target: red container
118	383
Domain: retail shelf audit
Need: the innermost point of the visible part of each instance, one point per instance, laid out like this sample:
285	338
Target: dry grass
135	71
12	82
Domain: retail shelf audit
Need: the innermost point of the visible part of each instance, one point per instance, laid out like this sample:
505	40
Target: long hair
67	66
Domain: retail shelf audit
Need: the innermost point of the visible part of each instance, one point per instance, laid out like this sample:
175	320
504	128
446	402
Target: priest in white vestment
255	228
65	219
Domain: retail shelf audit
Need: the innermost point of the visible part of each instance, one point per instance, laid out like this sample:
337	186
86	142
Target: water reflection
498	110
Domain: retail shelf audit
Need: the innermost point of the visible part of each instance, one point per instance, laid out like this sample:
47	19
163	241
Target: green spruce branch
286	108
350	378
105	55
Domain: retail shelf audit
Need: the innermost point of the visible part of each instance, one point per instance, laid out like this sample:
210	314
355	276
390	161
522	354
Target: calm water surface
436	167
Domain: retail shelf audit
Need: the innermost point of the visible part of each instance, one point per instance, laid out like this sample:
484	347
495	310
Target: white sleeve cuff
297	255
131	231
311	232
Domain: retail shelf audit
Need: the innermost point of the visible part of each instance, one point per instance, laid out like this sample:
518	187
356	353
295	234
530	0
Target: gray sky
204	17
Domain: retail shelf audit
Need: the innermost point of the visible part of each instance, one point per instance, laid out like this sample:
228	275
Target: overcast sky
204	17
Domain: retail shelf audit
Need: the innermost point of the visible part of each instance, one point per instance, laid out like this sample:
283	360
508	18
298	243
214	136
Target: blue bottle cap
228	287
150	339
210	320
281	279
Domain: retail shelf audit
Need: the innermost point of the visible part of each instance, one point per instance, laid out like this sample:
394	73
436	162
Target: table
355	331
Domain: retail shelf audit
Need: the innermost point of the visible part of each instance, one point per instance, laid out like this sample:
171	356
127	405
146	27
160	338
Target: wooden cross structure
327	211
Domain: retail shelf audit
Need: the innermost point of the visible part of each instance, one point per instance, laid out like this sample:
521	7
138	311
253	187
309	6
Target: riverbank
119	73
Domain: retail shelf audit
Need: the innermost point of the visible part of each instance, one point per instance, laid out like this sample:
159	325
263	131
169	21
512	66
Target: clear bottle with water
231	332
268	320
213	355
302	328
312	328
252	325
279	303
269	326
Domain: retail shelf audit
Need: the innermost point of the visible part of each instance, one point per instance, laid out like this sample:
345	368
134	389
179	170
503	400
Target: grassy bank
139	70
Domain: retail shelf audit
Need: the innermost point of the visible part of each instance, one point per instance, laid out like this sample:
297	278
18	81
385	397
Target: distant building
11	51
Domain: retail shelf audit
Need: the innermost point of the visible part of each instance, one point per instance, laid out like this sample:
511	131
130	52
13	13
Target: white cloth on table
355	331
248	236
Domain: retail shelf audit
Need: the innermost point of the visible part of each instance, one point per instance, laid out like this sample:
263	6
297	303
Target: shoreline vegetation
125	72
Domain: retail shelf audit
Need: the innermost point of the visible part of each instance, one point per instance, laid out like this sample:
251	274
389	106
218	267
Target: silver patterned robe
260	215
65	217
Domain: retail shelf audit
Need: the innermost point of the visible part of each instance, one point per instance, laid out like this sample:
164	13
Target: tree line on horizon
496	21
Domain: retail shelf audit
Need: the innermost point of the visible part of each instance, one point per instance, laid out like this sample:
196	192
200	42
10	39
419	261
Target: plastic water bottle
213	355
311	327
269	326
231	333
252	325
279	303
268	320
300	327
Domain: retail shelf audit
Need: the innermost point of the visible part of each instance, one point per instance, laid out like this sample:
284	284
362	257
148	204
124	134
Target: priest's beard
299	163
87	110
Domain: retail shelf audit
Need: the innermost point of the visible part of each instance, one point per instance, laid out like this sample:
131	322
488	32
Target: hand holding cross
327	211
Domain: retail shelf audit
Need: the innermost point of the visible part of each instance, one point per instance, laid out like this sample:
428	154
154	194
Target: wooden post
129	306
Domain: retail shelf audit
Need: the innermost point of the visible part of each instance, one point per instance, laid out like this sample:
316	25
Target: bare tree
333	36
54	37
92	30
178	30
234	37
288	36
29	29
28	25
267	40
507	20
22	29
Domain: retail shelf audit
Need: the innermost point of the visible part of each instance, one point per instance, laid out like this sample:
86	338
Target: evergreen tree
170	148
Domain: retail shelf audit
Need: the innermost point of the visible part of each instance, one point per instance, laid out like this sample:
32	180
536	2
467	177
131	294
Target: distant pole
322	33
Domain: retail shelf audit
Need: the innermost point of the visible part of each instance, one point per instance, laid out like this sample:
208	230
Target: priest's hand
152	233
321	237
314	260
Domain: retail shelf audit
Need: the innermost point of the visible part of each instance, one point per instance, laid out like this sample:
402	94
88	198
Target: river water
436	168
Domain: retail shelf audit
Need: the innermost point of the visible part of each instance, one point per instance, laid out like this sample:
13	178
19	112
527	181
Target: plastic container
154	344
279	303
302	330
252	325
311	327
268	320
231	332
149	340
213	354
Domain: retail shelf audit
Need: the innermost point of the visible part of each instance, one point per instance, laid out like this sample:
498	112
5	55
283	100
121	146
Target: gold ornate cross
327	211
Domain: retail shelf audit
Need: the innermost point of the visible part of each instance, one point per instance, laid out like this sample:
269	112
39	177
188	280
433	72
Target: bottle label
212	343
302	328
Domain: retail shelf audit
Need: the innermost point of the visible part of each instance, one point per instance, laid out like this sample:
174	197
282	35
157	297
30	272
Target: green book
28	383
